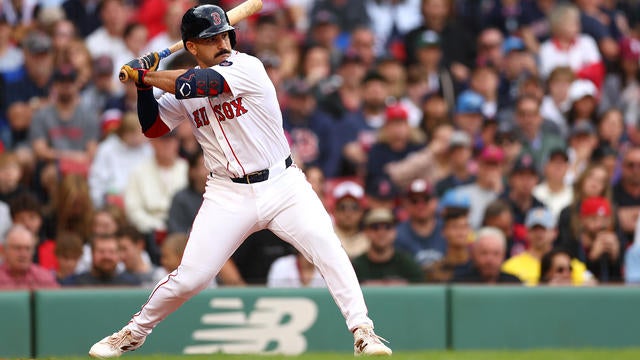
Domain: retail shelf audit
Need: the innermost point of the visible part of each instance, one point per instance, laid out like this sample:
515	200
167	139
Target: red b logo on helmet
216	18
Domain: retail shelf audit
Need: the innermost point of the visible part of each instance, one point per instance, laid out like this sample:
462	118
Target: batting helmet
205	21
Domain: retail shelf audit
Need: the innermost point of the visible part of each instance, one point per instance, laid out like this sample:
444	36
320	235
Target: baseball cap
428	38
419	186
540	216
459	139
581	88
381	189
324	17
396	112
373	75
524	163
469	102
103	65
558	152
582	128
378	215
298	87
455	198
595	205
630	49
350	57
64	74
37	43
348	189
491	153
512	43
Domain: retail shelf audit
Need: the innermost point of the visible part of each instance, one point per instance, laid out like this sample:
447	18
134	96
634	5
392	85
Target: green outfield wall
258	320
15	324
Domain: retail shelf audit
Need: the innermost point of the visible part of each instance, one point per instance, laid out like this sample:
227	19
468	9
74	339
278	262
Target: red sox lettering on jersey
225	111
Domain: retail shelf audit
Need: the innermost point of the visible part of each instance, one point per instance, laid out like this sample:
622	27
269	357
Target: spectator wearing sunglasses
347	215
421	234
555	268
382	264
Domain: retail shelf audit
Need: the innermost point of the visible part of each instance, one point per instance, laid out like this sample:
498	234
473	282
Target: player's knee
189	282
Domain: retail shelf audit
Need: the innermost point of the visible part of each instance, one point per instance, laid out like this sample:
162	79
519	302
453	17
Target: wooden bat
238	13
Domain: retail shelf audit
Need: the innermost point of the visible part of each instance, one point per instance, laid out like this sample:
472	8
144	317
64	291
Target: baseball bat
240	12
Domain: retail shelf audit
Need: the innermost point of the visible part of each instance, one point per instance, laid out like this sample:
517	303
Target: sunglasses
562	270
348	207
379	226
419	199
632	165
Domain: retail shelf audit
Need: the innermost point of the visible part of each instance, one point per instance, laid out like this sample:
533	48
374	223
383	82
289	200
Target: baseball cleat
116	344
366	342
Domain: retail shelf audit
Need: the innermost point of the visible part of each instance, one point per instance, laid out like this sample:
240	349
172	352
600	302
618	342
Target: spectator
537	141
186	202
344	96
600	24
484	80
395	142
10	176
468	114
611	130
459	155
567	47
626	193
171	254
73	207
294	271
363	44
99	89
556	103
322	41
593	182
349	14
621	89
171	34
457	232
131	247
68	251
103	272
555	268
391	21
597	243
254	257
582	143
519	195
498	215
26	210
12	58
428	65
28	93
490	43
437	17
152	185
116	158
311	131
487	256
583	103
382	264
518	67
64	135
553	192
421	234
541	232
86	15
18	270
347	215
488	184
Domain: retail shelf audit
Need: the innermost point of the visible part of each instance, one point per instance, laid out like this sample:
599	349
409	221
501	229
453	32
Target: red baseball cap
396	112
595	206
492	153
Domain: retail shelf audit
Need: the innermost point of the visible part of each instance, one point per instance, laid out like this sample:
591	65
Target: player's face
212	51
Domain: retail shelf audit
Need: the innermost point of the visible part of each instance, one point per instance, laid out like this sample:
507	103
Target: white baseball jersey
583	52
240	132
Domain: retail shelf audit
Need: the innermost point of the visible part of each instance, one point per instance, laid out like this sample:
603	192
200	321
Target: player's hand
150	61
134	74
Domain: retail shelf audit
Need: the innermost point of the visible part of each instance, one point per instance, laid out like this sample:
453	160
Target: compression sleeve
195	83
149	114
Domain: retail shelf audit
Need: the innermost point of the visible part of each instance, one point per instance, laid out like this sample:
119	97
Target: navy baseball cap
525	163
469	102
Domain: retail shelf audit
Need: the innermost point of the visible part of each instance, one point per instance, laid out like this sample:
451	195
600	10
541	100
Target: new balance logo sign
360	345
275	325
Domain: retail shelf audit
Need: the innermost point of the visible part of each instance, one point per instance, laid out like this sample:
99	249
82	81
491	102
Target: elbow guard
199	83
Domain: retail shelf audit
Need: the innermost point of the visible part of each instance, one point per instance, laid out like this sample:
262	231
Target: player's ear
191	47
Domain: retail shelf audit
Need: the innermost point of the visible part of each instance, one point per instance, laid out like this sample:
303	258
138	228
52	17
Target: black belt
261	175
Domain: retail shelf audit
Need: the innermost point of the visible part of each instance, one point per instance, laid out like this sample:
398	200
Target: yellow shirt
527	269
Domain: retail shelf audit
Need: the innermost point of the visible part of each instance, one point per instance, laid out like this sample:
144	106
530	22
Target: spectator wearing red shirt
18	270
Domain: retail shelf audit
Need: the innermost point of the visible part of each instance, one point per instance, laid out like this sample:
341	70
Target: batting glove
135	74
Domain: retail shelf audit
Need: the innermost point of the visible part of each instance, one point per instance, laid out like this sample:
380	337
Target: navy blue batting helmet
205	21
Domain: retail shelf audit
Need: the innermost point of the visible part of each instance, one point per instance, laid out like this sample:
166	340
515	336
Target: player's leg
304	222
223	221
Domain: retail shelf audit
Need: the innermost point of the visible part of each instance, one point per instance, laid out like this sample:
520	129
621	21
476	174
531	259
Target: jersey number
200	117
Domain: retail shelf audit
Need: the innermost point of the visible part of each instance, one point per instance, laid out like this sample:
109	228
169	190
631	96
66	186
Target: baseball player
253	184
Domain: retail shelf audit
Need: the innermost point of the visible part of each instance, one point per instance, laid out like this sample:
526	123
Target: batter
232	107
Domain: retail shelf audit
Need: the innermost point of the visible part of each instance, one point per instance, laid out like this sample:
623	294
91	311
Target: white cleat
116	344
366	342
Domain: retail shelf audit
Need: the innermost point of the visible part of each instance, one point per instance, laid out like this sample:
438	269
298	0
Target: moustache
223	52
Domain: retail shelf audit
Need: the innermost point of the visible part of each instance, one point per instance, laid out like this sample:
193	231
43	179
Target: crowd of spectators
464	141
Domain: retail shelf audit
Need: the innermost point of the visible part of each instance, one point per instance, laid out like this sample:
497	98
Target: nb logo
275	325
